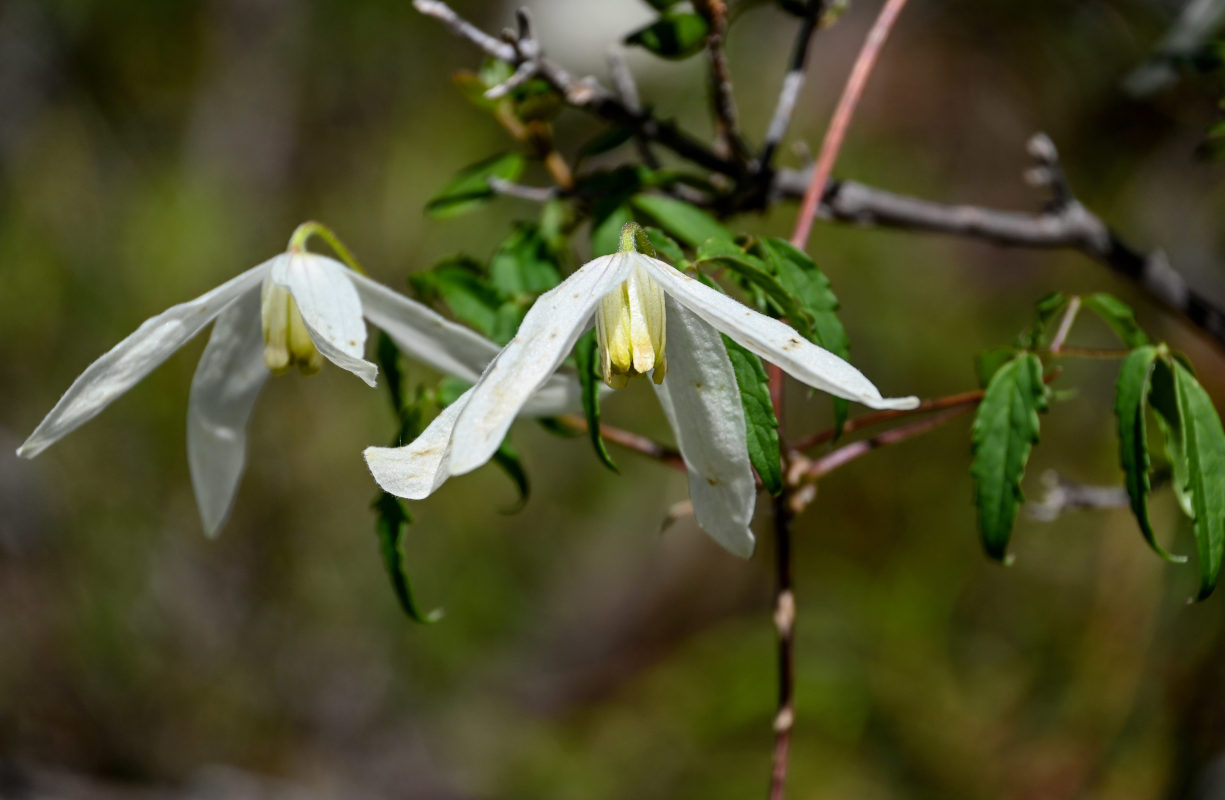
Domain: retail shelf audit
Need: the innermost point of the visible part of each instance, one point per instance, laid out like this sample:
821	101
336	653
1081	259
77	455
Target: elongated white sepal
135	357
330	307
546	336
701	400
226	385
417	469
773	340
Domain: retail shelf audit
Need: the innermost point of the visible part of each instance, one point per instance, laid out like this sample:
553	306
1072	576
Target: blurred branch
1063	495
831	145
627	90
878	417
722	99
793	81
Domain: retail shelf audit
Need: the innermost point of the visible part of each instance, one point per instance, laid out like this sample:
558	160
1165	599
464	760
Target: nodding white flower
640	305
295	309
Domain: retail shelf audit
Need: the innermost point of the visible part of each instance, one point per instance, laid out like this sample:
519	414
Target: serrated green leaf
459	283
689	224
753	273
586	355
988	362
392	527
1203	447
470	186
801	278
1005	430
666	247
761	426
674	35
1130	408
1119	316
524	263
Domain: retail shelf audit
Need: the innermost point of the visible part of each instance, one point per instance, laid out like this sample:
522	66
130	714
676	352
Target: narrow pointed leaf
754	274
1204	449
1005	429
1130	410
1119	316
1164	402
510	462
524	263
689	224
760	424
392	526
586	353
673	35
470	187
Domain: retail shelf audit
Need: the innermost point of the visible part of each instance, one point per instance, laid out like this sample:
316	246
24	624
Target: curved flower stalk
295	309
642	305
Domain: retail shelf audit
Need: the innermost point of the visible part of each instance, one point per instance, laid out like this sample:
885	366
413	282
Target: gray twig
793	81
536	194
627	90
1063	495
722	98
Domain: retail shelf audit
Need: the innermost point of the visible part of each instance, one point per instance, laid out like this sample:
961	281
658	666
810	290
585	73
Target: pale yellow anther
287	343
630	330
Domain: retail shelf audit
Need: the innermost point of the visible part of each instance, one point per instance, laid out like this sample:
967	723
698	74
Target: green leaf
801	278
1203	447
586	356
666	247
1130	409
687	223
524	263
1164	402
460	284
674	35
1119	316
1044	311
1005	429
392	526
754	273
470	187
509	461
606	230
988	362
761	426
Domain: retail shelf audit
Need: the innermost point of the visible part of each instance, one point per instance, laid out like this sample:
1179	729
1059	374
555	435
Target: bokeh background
150	149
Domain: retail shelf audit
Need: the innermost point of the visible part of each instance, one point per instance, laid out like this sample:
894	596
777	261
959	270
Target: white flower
642	304
269	318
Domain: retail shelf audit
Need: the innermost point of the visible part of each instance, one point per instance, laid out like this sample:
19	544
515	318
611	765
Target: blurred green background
150	149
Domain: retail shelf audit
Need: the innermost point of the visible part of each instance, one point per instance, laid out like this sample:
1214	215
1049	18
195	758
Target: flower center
287	343
629	327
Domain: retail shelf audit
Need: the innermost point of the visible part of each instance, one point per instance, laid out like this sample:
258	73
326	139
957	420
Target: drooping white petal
701	400
415	470
425	335
324	291
223	392
422	333
773	340
546	335
134	358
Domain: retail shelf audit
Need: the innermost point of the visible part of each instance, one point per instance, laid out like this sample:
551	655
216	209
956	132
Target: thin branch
627	90
1065	325
793	82
1062	494
879	417
843	113
723	100
820	467
630	441
536	194
784	625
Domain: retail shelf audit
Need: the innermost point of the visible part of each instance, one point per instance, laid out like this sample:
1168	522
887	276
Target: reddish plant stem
630	441
878	417
848	453
841	121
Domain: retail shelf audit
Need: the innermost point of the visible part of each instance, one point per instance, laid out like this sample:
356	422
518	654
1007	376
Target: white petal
324	291
415	470
422	333
773	340
227	382
546	335
134	358
702	403
425	335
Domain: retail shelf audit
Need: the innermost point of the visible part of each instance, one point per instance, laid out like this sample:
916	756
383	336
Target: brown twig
630	441
843	113
820	467
727	126
879	417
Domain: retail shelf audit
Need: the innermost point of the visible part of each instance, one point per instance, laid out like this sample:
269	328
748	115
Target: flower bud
287	343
